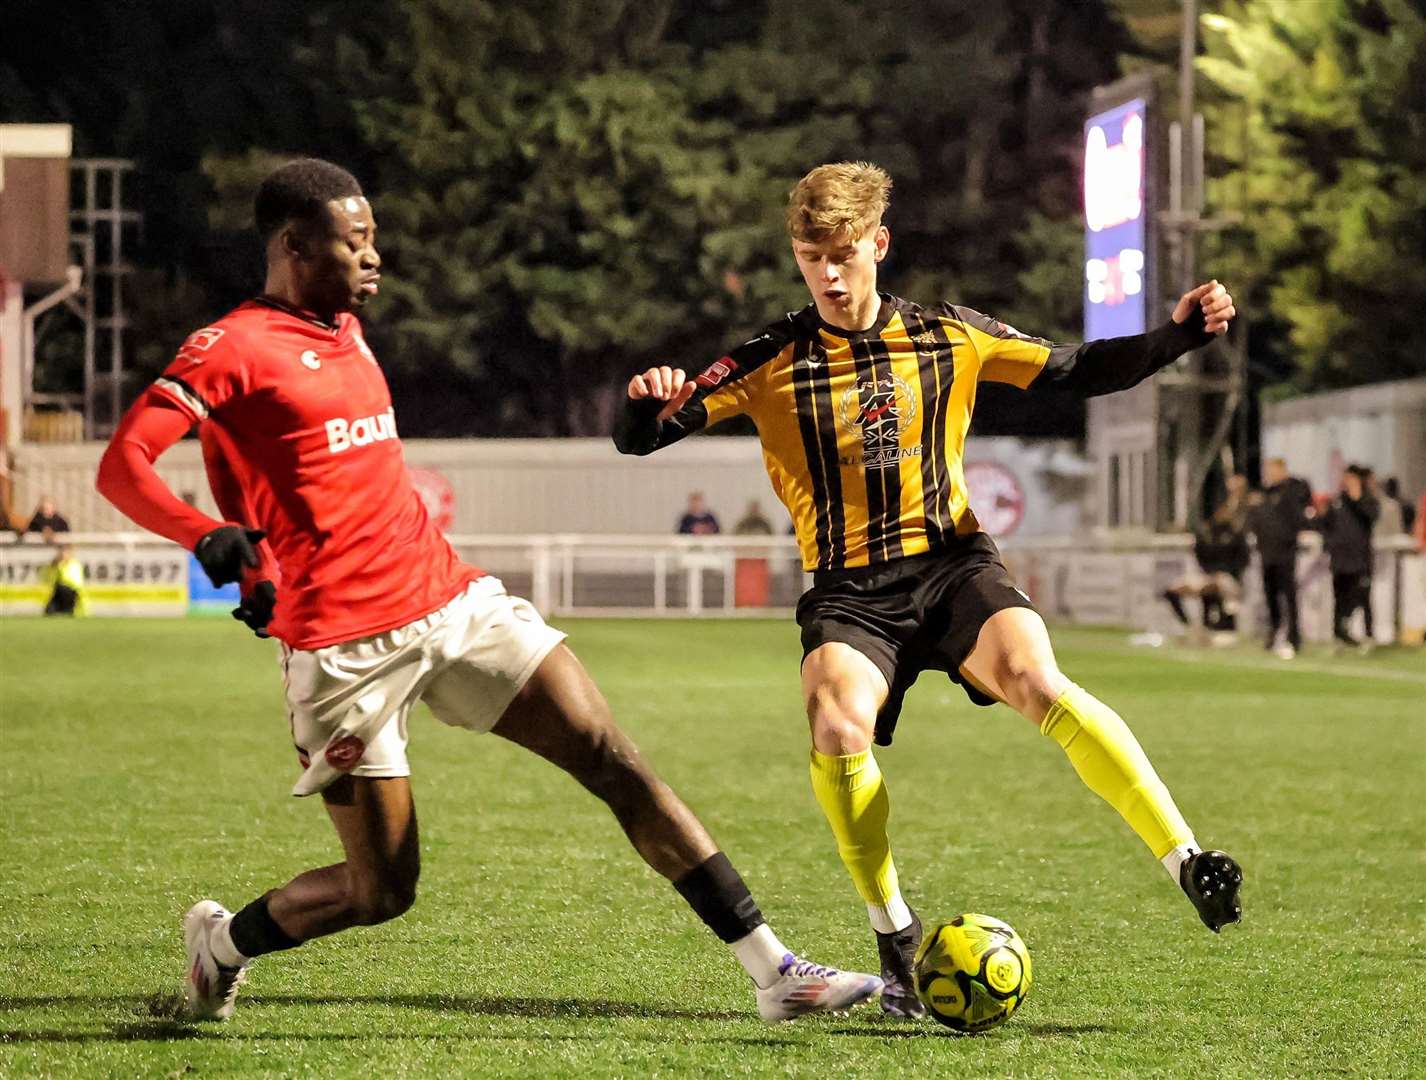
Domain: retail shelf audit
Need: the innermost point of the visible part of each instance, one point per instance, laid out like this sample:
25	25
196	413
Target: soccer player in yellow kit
862	401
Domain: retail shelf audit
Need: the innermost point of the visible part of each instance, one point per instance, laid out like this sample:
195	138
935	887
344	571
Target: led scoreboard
1115	267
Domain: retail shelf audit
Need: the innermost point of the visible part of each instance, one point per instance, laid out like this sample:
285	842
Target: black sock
254	931
718	896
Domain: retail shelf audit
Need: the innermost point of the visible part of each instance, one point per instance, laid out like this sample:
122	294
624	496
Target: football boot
1211	879
803	987
898	953
209	987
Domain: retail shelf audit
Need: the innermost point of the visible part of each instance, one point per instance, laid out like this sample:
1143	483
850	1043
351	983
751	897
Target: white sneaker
1285	652
805	987
209	986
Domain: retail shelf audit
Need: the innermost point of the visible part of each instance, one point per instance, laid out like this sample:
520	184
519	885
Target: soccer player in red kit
374	610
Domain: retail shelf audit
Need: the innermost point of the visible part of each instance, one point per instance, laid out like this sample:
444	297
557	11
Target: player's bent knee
1030	685
842	719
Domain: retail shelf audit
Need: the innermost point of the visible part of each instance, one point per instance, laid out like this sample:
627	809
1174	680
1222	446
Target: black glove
256	608
226	550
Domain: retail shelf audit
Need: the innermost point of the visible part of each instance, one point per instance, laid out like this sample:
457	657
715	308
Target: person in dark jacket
1277	514
47	520
1221	548
1346	526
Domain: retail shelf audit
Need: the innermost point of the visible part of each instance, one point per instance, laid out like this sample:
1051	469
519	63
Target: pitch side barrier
1091	580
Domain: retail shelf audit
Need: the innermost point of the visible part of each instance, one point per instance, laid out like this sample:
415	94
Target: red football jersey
309	436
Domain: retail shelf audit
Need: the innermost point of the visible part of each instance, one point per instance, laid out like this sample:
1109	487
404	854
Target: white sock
1175	859
889	917
761	954
221	942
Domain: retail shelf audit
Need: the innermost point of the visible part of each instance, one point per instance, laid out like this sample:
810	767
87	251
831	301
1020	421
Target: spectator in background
64	577
1221	548
1346	527
1391	521
697	520
47	519
1238	499
1391	488
753	523
1275	516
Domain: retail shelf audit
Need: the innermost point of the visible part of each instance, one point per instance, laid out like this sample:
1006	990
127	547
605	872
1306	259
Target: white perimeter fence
1103	582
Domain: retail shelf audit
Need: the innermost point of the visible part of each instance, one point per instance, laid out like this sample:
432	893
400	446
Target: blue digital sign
1115	287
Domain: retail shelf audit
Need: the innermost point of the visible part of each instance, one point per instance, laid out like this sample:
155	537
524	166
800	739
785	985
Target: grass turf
146	765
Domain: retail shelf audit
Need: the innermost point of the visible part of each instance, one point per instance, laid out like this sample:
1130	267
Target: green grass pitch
146	765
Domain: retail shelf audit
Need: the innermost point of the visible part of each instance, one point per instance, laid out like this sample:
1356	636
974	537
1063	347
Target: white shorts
349	703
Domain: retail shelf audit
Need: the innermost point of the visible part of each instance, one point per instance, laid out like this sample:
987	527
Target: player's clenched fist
663	384
1214	300
226	550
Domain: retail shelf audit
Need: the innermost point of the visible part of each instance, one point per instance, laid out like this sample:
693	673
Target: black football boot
1212	880
898	952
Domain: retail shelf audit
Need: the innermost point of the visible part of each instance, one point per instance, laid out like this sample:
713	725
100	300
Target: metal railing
1115	580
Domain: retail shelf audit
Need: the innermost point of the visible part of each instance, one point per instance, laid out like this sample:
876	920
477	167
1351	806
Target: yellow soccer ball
972	972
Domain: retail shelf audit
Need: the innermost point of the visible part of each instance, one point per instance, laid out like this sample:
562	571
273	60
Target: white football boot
209	987
804	987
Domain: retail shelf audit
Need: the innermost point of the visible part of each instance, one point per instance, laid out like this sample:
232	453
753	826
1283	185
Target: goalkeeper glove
226	550
256	608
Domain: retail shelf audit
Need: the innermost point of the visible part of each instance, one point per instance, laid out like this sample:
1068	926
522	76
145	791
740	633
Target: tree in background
568	191
1316	115
553	213
1330	177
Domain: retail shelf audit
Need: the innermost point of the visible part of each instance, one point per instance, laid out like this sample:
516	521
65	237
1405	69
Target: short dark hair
300	189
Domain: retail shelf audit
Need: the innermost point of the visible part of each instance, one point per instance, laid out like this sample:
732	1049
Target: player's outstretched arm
1112	364
654	397
128	479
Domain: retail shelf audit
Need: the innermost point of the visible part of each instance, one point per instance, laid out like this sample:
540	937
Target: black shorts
919	613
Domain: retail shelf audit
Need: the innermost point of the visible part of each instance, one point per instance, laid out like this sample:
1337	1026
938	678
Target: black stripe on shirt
812	388
932	346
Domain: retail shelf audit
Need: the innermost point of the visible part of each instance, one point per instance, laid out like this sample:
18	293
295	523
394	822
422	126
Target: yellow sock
1111	763
852	794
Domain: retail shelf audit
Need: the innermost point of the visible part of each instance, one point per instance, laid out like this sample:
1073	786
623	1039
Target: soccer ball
972	972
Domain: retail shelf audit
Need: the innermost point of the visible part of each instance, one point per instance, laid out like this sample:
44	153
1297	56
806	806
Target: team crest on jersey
310	360
927	340
879	410
717	373
199	342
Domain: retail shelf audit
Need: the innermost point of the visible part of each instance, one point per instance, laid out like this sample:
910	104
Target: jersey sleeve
1005	354
128	479
207	373
1097	367
724	390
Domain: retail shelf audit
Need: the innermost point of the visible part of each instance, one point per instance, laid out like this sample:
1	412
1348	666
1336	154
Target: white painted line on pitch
1284	667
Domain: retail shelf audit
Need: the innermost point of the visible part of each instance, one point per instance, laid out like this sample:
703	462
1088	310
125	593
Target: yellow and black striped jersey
863	431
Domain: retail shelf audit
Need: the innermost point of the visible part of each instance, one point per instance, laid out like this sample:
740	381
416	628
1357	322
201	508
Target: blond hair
839	200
